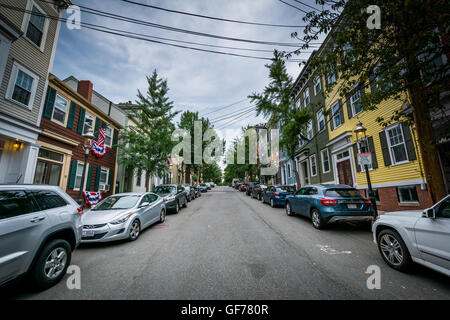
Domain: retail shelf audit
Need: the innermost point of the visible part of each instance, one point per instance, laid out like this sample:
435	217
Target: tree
147	145
402	60
212	172
276	102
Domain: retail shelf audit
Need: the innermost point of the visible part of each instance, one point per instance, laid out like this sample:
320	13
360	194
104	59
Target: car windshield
202	184
286	189
344	193
164	189
117	202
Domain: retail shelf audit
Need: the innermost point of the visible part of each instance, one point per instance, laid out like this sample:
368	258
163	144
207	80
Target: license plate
88	233
351	206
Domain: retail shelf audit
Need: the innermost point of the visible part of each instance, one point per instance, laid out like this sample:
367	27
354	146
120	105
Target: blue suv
329	203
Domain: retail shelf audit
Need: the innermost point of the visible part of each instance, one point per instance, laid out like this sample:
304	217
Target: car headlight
169	198
122	219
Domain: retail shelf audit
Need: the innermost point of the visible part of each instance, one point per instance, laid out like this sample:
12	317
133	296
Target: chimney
85	88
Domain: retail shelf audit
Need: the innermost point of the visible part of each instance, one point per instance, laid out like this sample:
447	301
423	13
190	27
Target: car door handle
37	219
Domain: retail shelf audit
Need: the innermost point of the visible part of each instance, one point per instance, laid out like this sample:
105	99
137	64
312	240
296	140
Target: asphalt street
226	245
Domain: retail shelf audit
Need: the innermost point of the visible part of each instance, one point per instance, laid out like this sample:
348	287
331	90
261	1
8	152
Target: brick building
67	115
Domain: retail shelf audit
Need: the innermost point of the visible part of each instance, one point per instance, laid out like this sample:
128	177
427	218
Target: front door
344	171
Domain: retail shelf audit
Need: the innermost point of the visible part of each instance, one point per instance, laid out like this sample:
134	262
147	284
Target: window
48	199
15	203
48	167
321	124
355	102
313	163
346	51
306	97
407	194
325	160
288	168
88	123
36	26
444	209
397	147
60	109
298	104
108	136
22	85
103	176
78	175
310	130
331	77
317	85
336	115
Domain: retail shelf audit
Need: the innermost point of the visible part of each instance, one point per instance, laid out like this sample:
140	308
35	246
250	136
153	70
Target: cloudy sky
198	81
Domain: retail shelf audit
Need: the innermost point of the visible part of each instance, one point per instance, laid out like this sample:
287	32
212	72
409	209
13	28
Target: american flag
101	137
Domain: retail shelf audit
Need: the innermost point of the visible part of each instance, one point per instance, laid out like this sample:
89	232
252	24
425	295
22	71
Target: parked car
190	193
203	187
416	236
328	204
208	185
258	190
122	216
243	187
212	184
250	186
174	196
197	191
276	195
40	226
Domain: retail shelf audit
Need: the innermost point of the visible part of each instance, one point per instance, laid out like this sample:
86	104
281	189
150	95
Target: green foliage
212	172
147	145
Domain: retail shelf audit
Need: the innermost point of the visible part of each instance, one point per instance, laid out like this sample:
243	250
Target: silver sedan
122	216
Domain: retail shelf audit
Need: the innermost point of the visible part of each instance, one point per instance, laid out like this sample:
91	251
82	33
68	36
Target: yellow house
396	172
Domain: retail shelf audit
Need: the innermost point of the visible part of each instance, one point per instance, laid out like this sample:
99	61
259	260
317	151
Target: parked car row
402	237
41	225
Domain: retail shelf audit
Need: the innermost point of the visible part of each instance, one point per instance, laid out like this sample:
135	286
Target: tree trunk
147	182
297	177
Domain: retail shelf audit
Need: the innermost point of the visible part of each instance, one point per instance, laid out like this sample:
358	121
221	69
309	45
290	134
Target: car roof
329	186
130	194
30	186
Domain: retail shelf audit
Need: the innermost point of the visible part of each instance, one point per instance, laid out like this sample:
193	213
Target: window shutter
372	150
349	107
331	120
110	179
115	136
97	125
104	125
89	178
97	178
409	142
355	153
341	111
70	120
81	120
73	172
385	149
51	96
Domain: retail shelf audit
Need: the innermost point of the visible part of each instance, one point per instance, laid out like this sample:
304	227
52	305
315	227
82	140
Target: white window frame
26	21
318	120
407	187
106	135
75	187
388	139
317	81
357	92
12	83
310	130
332	75
311	166
65	112
102	169
86	115
323	160
338	114
306	95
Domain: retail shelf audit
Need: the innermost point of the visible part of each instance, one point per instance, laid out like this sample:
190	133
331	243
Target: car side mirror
429	213
145	204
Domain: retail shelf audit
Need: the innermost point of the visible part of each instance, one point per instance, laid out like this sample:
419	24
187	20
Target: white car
415	236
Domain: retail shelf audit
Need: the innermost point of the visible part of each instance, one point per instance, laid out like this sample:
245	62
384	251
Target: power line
136	36
233	114
307	5
295	7
234	121
224	107
212	18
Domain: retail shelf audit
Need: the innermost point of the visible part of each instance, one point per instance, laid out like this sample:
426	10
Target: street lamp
361	138
88	136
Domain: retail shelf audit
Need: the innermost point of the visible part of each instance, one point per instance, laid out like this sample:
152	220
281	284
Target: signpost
365	159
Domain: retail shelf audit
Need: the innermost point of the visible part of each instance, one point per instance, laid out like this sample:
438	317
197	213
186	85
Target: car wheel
177	207
317	220
260	198
135	230
188	199
162	216
393	250
272	203
52	264
185	203
289	209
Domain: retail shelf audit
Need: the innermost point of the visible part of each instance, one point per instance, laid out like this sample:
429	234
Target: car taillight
80	211
368	202
328	202
261	189
276	194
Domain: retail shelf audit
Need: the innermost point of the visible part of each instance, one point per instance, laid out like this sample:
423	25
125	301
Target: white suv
415	236
40	226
